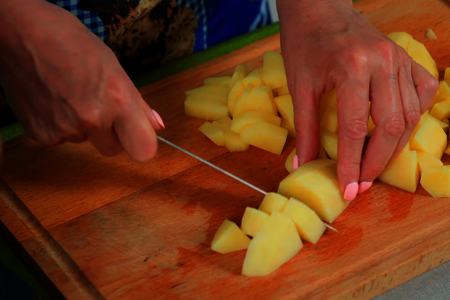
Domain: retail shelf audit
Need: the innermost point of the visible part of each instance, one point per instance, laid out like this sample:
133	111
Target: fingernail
295	162
364	186
158	118
351	191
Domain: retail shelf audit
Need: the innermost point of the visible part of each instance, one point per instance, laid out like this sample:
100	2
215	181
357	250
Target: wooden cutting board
144	231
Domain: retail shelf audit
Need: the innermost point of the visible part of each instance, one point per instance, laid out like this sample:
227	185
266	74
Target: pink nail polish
158	118
364	186
351	191
295	162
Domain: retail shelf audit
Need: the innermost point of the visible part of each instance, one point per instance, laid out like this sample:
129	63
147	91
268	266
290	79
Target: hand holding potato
327	45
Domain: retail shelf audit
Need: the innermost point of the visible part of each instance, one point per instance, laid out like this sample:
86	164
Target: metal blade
223	171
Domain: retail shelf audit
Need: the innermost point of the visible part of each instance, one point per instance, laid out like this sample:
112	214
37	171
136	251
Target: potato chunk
265	136
228	238
253	220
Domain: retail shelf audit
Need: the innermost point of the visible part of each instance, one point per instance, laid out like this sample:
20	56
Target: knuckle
395	126
412	118
90	120
355	129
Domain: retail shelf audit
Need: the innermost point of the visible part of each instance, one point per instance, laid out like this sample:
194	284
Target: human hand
64	84
327	45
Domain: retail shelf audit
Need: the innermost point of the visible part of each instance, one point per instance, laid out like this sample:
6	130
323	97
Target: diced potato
259	98
441	110
205	110
401	38
290	160
285	107
330	120
447	76
273	202
430	138
316	185
253	220
224	124
371	126
235	93
214	133
329	142
403	171
228	238
281	91
217	90
420	55
265	136
274	73
436	181
240	72
234	143
428	161
254	78
218	80
202	98
276	243
309	226
328	100
290	128
250	117
430	34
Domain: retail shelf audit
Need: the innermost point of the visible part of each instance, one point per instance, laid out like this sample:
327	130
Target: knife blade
223	171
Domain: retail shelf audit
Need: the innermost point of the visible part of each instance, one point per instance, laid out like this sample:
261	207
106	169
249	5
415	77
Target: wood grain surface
144	231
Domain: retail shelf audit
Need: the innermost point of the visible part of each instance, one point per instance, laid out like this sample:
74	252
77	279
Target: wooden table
144	231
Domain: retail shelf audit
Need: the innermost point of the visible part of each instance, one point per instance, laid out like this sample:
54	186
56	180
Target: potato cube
255	99
273	202
265	136
205	110
290	128
274	74
254	78
236	92
430	138
224	124
285	108
403	171
228	238
330	120
234	143
441	110
329	142
428	161
253	220
250	117
239	73
309	226
276	243
436	181
214	133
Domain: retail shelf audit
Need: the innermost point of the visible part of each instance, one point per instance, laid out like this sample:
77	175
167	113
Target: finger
387	114
306	118
353	116
106	142
426	86
136	134
411	106
154	118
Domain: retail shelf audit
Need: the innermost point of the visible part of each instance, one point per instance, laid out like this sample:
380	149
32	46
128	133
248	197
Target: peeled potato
329	142
214	133
265	136
205	110
273	202
254	78
234	143
436	181
228	238
253	220
274	74
259	98
428	161
250	117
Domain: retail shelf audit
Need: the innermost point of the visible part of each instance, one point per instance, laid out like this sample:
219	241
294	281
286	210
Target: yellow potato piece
329	142
290	128
235	93
214	133
289	161
205	110
273	202
330	120
234	143
254	78
402	172
265	136
218	80
285	108
401	38
447	76
215	90
428	161
441	110
281	91
430	138
370	126
252	221
436	181
276	243
274	74
309	226
224	123
239	73
316	185
443	91
250	117
259	98
420	55
328	100
229	238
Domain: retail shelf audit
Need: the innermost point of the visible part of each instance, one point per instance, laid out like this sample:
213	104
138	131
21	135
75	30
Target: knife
223	171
